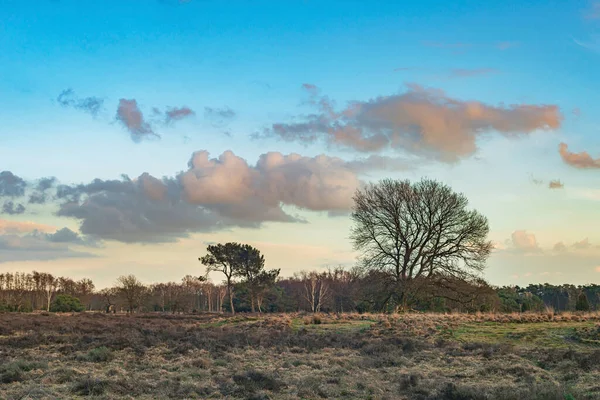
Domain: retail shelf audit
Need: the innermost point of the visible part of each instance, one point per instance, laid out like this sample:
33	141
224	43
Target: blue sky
252	58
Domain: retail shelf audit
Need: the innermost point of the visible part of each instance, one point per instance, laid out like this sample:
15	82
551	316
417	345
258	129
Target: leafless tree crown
415	231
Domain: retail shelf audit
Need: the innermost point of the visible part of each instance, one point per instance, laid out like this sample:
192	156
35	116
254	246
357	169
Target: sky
135	133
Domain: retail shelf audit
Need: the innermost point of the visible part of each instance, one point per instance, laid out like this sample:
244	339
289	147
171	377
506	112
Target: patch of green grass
339	326
539	334
99	354
13	372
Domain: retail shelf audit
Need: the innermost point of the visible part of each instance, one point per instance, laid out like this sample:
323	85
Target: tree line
420	248
335	290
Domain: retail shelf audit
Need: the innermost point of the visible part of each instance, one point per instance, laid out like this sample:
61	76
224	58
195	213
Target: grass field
412	356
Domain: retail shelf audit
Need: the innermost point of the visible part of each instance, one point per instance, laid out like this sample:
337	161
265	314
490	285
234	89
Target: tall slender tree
223	258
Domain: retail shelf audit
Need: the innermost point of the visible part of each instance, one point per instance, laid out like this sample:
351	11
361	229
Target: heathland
309	356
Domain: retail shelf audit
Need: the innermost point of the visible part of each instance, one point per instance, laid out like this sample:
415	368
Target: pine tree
582	303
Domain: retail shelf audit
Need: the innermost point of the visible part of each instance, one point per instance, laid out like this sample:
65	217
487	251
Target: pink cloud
581	160
556	184
422	121
130	115
11	227
524	241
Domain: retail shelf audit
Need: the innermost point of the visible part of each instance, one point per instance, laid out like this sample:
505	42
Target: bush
6	307
89	386
99	354
66	303
13	372
256	380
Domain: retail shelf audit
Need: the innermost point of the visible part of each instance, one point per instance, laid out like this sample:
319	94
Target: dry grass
412	356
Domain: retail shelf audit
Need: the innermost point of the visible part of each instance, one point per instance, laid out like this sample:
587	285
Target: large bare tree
133	291
416	233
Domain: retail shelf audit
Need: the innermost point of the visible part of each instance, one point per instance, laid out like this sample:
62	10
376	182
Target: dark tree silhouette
223	258
582	302
251	268
264	281
244	261
133	290
417	233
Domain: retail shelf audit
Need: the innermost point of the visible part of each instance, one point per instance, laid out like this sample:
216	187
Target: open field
413	356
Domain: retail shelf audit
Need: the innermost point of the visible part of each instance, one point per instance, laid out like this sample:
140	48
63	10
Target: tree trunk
49	297
229	293
258	303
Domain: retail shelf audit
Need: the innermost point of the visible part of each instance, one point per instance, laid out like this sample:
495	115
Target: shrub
99	354
255	380
66	303
11	374
89	386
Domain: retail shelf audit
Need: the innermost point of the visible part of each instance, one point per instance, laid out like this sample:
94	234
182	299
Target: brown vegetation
288	356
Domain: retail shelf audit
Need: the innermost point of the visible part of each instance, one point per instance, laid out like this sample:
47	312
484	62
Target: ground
410	356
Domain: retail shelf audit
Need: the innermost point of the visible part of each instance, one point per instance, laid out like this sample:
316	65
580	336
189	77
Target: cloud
498	245
421	121
35	246
213	194
592	45
11	208
90	105
176	114
11	185
21	241
468	73
560	247
131	117
39	196
556	184
67	236
125	213
219	116
524	242
318	183
552	184
582	244
129	114
578	160
381	163
45	184
14	227
535	180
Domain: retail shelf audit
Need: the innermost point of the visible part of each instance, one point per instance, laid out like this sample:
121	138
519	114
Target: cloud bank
421	121
26	241
214	194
